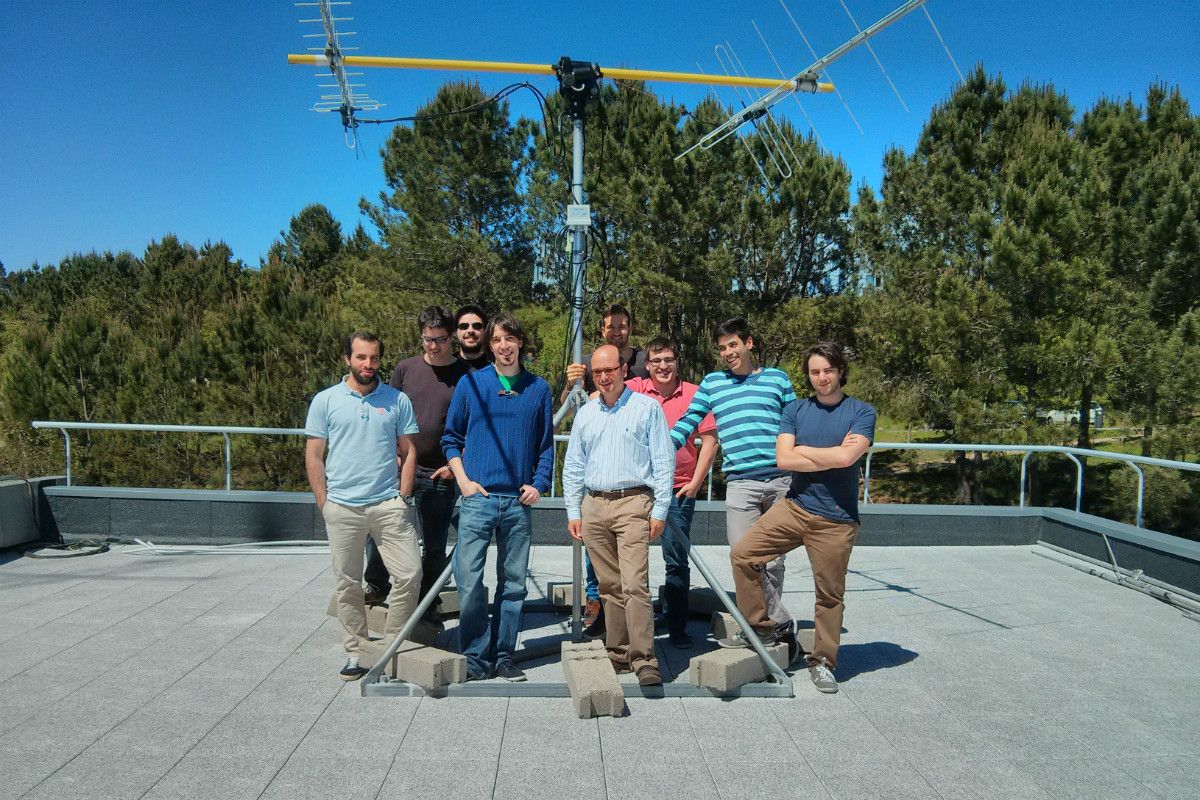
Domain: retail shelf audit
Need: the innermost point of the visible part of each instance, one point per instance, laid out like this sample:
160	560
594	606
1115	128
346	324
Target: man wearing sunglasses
428	380
469	324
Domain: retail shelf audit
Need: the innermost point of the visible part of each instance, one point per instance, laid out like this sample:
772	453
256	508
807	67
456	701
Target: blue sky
123	122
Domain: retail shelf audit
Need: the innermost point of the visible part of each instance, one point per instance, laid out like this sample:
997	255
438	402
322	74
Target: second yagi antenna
346	100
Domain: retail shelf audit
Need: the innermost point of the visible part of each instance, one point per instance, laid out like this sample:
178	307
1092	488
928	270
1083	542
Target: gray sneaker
739	639
510	672
822	678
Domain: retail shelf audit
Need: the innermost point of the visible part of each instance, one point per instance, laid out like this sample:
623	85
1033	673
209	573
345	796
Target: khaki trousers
617	536
390	524
782	529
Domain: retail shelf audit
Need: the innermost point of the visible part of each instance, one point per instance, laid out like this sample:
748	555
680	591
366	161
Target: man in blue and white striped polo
747	402
617	480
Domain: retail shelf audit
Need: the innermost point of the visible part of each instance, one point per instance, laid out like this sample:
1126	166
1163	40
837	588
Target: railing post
67	453
1024	466
1141	494
867	478
228	463
1078	481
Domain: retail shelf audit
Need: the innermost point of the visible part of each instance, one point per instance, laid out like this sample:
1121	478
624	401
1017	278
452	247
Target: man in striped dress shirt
747	402
617	479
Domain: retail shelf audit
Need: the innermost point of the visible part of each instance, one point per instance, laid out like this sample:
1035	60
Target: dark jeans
435	507
675	540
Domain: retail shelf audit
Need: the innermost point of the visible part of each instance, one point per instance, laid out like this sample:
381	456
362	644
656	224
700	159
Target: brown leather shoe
621	667
649	676
591	612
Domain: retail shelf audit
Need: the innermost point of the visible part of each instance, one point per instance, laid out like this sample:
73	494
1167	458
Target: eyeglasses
662	362
604	371
435	339
472	326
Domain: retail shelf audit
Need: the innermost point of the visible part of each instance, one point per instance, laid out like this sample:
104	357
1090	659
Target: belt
621	493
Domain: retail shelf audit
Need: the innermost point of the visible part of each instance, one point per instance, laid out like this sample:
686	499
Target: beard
363	380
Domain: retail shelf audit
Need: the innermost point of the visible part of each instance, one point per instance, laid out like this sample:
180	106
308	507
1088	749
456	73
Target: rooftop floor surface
966	672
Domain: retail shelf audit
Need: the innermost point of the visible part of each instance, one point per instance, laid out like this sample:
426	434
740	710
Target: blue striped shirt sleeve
697	410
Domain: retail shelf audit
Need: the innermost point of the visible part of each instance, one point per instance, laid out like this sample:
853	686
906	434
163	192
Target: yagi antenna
804	81
767	127
346	101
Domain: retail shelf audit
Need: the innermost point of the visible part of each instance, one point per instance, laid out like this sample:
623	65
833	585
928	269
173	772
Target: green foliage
1019	257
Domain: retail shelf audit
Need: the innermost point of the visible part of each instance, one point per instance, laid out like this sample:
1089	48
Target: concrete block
562	595
703	601
449	603
804	637
592	680
377	618
724	670
429	667
723	625
370	653
425	632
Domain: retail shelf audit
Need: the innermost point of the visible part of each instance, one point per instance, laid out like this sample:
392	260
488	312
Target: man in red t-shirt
691	468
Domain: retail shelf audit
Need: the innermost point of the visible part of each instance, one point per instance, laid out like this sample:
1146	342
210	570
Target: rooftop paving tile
966	672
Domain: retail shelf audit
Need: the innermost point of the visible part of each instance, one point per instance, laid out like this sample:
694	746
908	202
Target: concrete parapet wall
202	516
25	515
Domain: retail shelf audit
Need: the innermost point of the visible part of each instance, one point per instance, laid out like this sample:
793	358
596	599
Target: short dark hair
660	343
435	317
733	327
470	308
613	310
365	336
510	324
832	352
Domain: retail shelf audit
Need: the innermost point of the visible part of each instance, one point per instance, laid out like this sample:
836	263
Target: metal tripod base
393	688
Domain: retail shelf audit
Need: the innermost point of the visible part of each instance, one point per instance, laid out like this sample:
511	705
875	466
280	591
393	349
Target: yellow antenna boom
513	67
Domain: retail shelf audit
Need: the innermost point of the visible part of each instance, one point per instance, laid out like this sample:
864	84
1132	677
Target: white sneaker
822	677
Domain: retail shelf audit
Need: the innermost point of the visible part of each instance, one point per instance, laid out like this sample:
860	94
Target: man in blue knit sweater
499	443
747	402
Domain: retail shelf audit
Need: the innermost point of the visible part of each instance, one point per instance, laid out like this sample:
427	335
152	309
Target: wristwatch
408	500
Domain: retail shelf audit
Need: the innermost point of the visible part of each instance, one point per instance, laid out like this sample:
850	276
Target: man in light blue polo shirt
365	423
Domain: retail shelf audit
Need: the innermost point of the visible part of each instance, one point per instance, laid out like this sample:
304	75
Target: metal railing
1074	453
225	431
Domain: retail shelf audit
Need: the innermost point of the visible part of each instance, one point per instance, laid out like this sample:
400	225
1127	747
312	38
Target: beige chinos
390	524
617	535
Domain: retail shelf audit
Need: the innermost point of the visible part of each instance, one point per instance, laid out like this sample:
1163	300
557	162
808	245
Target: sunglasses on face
472	326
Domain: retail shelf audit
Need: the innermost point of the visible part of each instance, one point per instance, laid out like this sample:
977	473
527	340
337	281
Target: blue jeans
485	645
592	588
434	501
675	541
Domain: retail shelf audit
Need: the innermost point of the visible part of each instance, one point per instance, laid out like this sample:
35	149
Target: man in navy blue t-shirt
821	439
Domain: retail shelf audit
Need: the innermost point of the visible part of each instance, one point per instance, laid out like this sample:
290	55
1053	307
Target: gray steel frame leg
375	684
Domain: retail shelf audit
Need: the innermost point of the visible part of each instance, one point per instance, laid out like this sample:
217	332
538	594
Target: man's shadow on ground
856	659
